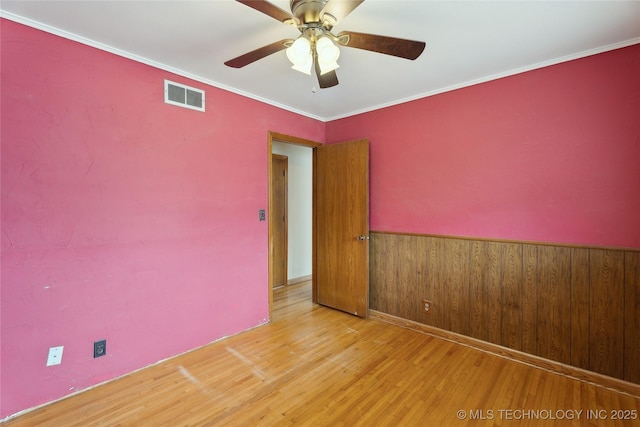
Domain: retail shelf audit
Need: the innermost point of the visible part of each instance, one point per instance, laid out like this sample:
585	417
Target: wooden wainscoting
579	306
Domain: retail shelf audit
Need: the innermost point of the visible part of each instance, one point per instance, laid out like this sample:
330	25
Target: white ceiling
467	42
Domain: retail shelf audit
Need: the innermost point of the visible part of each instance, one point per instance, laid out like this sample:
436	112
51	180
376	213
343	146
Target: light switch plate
55	356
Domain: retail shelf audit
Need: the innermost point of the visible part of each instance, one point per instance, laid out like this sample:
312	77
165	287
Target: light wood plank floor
319	367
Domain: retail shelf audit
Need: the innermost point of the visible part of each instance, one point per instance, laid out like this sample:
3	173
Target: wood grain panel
580	280
406	295
632	317
493	281
378	268
485	291
456	282
512	295
387	260
574	305
530	299
606	305
435	282
554	298
396	271
424	288
478	292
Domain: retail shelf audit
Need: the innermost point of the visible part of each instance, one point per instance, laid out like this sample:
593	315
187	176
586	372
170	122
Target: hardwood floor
319	367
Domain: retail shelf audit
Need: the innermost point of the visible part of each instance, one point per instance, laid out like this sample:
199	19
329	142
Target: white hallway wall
300	203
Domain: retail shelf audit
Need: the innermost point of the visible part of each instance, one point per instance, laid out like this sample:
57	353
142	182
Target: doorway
299	219
339	222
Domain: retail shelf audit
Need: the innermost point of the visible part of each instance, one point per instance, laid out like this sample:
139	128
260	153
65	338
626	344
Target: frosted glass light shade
328	54
299	53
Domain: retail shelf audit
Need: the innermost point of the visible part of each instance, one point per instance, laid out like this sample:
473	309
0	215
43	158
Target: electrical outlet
426	306
99	348
261	215
55	355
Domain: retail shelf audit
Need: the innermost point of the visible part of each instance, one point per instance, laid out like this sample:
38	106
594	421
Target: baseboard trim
573	372
297	280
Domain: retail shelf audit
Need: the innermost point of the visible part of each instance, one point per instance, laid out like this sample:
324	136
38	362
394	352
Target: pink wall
128	219
551	155
123	218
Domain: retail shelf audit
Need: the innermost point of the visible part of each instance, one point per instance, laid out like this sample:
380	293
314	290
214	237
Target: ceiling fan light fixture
328	54
299	53
305	67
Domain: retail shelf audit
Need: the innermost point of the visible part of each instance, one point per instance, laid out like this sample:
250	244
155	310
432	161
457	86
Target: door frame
294	140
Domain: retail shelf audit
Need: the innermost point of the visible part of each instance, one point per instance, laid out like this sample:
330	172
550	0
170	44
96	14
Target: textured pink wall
550	155
123	218
127	219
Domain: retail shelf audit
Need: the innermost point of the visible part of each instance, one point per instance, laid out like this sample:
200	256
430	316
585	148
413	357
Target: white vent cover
183	96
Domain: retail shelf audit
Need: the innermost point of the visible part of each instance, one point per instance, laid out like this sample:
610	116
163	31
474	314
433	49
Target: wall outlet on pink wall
55	356
99	348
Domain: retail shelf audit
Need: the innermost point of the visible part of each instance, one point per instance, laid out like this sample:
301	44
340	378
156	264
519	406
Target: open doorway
299	206
340	249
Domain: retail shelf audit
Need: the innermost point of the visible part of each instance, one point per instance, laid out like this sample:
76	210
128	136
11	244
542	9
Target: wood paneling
380	252
456	285
436	292
631	317
485	292
530	299
606	305
578	306
554	278
512	295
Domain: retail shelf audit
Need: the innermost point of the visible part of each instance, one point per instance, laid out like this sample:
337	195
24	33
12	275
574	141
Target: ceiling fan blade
402	48
269	9
326	80
259	53
340	9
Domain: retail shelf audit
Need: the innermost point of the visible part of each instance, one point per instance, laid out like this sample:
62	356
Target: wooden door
341	197
278	217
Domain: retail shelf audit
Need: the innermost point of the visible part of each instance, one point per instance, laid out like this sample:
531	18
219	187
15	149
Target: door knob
363	237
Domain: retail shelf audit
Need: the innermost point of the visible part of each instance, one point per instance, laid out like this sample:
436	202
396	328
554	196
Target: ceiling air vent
183	96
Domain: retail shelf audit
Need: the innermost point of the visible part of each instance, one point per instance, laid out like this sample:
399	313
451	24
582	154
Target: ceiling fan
317	46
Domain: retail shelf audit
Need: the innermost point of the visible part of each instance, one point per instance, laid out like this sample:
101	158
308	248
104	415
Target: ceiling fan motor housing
307	11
